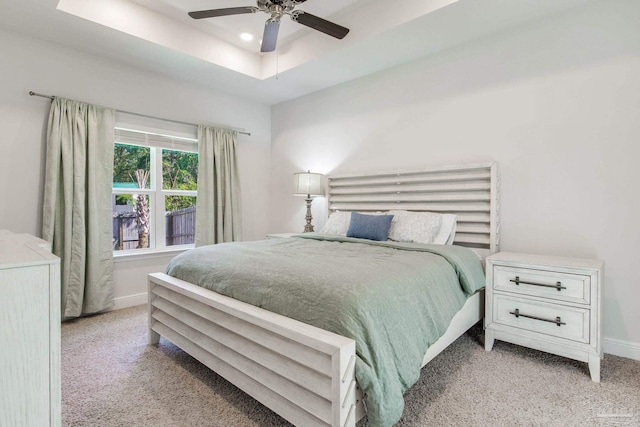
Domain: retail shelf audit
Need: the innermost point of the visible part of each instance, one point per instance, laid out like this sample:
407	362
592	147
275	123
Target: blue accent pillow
372	227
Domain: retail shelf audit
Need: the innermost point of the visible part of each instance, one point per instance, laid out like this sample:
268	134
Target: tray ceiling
159	36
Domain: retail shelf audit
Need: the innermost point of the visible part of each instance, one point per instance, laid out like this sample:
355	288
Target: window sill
140	254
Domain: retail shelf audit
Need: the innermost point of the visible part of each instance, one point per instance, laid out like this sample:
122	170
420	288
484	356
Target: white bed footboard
303	373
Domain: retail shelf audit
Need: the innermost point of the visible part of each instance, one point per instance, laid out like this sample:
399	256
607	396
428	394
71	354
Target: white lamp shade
308	183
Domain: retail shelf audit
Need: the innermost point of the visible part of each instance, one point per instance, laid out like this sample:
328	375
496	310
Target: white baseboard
129	301
628	349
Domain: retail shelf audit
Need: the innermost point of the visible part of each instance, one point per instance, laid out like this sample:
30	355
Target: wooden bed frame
303	373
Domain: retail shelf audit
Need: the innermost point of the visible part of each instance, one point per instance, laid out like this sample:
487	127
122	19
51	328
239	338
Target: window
154	190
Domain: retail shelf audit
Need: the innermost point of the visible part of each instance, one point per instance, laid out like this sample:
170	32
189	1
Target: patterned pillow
417	227
372	227
337	223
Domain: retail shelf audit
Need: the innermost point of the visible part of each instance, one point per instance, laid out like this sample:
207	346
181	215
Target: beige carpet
110	377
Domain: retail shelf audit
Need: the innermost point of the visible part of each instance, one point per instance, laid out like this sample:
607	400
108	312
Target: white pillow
447	230
417	227
337	223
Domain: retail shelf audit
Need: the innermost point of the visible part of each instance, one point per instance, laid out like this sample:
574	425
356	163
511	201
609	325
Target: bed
304	373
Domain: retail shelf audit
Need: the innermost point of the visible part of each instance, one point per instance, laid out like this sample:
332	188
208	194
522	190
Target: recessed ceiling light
246	37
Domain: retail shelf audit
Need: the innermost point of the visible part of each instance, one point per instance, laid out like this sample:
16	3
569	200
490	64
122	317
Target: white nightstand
549	303
280	235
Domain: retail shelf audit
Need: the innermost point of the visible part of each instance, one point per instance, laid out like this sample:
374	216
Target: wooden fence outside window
179	226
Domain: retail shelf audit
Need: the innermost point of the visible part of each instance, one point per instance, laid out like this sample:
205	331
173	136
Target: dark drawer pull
558	321
558	285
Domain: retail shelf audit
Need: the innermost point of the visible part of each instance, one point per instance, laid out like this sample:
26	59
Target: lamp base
308	228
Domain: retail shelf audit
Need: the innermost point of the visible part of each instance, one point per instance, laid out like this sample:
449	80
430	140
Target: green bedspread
393	299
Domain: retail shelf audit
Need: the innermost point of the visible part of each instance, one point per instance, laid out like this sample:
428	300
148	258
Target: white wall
27	64
556	103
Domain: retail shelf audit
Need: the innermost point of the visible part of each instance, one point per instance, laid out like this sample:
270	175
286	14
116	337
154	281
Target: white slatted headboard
469	191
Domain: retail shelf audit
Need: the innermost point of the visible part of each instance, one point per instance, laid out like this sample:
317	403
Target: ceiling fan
277	9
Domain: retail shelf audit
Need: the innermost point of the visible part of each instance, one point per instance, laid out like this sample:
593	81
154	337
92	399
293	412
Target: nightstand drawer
551	319
543	283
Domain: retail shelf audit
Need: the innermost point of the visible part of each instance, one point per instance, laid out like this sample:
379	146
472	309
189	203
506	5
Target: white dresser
549	303
29	332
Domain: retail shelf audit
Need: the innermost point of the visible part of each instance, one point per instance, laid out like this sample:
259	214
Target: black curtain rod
32	93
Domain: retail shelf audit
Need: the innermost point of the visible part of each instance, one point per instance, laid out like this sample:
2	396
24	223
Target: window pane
127	160
130	221
179	170
180	220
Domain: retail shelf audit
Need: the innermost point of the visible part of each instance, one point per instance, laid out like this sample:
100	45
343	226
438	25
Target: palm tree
142	210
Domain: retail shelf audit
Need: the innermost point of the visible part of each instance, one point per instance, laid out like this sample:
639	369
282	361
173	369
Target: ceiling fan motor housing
279	7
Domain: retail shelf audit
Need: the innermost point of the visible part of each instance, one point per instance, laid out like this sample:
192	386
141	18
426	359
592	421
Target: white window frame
156	142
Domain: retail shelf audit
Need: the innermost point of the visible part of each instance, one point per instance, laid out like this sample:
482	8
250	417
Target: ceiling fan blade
270	36
222	12
320	24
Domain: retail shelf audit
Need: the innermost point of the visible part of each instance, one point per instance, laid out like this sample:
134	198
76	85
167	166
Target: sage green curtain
77	203
218	208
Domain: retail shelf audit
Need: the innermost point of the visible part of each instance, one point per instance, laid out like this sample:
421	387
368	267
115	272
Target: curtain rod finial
32	93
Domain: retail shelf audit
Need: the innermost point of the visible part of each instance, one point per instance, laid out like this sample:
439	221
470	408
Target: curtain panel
77	203
218	208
